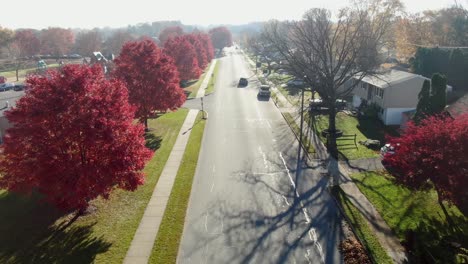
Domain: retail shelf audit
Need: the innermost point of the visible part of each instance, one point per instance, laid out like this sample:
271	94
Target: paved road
243	206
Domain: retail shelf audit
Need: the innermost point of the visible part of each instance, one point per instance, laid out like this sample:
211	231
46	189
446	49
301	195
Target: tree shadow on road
280	223
30	233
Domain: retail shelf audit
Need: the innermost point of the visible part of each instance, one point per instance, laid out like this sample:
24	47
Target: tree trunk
332	119
17	70
146	124
447	215
332	147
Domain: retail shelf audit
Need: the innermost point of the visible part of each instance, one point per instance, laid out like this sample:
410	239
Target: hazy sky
100	13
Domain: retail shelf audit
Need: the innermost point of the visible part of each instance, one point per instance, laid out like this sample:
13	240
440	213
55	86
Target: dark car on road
243	82
264	92
19	87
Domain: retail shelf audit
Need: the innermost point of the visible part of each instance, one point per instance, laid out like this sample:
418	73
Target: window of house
379	92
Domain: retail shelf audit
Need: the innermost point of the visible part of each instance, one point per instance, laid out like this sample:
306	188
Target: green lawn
11	75
293	94
31	231
170	232
212	82
290	119
361	227
192	89
406	210
350	125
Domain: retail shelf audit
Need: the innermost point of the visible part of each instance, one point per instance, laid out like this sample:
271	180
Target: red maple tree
170	32
221	37
207	44
151	78
435	150
185	57
73	139
202	57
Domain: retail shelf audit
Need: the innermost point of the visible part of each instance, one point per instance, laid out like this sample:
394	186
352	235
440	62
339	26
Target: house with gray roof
394	92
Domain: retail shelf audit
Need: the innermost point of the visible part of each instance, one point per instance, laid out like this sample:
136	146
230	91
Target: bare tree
262	48
332	53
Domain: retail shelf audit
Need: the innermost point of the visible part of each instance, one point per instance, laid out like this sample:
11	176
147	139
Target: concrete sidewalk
204	84
341	171
142	244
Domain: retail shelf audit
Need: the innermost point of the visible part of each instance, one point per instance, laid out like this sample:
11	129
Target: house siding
394	116
404	94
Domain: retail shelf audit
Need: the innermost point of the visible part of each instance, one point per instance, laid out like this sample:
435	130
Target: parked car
264	91
75	56
6	86
318	103
19	87
243	82
296	83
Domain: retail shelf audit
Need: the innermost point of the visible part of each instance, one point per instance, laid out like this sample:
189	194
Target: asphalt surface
244	207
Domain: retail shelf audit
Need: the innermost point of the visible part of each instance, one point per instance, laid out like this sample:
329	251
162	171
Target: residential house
98	58
394	92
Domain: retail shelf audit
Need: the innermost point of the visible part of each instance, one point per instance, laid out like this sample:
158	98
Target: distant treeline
453	63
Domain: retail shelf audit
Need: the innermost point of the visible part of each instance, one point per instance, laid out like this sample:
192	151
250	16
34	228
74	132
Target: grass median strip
170	231
193	89
104	235
211	83
361	227
306	142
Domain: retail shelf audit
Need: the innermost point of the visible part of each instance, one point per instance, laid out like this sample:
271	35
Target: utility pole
203	112
299	162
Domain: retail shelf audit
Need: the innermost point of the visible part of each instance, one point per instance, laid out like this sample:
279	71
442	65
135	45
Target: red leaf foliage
151	78
221	37
201	51
436	150
73	139
207	44
170	32
185	57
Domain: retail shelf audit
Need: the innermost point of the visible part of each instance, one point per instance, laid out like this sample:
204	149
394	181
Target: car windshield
265	88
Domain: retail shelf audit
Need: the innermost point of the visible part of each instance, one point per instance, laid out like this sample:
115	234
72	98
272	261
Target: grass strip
193	89
292	123
167	242
361	228
211	84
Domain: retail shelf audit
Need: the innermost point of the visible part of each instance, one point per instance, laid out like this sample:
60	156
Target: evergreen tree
423	108
438	93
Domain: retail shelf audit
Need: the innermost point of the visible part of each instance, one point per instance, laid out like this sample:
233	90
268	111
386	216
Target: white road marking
265	163
213	178
312	233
